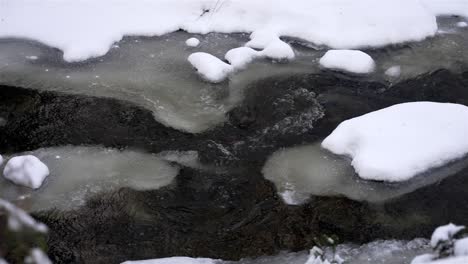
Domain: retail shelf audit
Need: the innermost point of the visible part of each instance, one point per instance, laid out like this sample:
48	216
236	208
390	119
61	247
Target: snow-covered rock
240	57
462	24
209	67
192	42
278	50
26	170
396	143
393	71
354	61
175	260
444	233
335	23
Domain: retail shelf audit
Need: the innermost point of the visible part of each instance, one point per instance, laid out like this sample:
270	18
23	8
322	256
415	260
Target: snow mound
239	58
354	61
335	23
462	24
278	50
444	233
397	143
209	67
192	42
26	170
175	260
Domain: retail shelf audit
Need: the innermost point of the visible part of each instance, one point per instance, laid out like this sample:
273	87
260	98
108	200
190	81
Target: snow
335	23
175	260
399	142
26	170
192	42
354	61
446	7
462	24
453	260
278	50
209	67
422	259
239	58
393	71
444	233
461	247
19	219
37	256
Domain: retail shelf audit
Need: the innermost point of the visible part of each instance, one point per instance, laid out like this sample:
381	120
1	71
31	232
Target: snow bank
81	29
446	7
209	67
354	61
175	260
192	42
401	141
444	233
26	170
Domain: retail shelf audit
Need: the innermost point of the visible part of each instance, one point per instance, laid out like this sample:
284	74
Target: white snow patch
354	61
423	259
461	247
209	67
239	58
447	7
37	256
32	57
175	260
26	170
462	24
444	233
393	71
192	42
453	260
396	143
336	23
278	50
